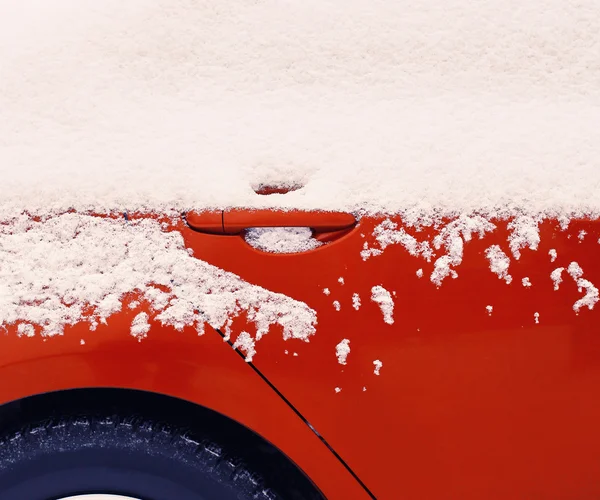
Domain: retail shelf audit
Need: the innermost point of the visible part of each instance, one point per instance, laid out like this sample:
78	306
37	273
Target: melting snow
342	350
384	300
73	268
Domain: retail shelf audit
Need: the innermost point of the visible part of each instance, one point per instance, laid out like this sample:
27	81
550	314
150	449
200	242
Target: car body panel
467	404
203	370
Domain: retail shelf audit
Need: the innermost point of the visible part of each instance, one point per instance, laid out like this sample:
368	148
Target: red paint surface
467	406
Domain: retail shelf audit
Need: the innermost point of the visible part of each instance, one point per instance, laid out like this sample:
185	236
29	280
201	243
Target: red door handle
236	221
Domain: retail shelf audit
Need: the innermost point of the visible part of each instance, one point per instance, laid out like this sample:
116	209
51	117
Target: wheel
118	458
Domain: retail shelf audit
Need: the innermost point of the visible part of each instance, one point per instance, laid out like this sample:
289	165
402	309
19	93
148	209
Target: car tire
120	456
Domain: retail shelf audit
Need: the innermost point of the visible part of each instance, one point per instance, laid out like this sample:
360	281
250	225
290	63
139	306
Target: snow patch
282	239
384	300
452	238
140	326
556	277
499	262
524	233
245	343
25	329
342	350
73	268
378	364
388	233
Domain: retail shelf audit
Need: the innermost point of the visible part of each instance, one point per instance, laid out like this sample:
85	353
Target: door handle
235	221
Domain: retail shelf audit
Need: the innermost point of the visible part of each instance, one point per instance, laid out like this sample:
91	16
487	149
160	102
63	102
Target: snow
72	268
171	105
245	343
378	364
25	329
282	239
384	300
524	234
556	277
499	262
342	350
591	292
356	301
452	238
388	233
140	326
574	270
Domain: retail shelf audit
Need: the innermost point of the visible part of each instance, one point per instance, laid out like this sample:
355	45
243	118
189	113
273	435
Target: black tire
140	459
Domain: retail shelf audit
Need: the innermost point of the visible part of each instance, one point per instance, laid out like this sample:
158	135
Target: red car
404	374
299	249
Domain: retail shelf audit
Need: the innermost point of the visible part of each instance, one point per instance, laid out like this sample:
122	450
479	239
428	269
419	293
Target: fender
203	370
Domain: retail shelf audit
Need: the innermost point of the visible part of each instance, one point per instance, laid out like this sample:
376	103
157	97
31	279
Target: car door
474	358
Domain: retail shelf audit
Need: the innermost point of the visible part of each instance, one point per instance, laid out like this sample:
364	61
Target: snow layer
73	268
422	106
282	239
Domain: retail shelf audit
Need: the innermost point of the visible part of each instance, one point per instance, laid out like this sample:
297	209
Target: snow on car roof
419	107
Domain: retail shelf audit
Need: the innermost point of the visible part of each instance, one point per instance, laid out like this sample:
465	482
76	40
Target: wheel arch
239	441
